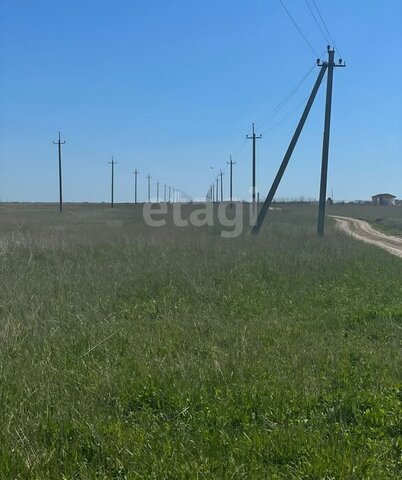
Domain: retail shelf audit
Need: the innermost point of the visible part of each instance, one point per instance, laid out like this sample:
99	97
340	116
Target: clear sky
172	86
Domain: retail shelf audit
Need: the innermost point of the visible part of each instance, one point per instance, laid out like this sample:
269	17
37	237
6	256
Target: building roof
383	195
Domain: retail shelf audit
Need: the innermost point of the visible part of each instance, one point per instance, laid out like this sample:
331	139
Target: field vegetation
130	352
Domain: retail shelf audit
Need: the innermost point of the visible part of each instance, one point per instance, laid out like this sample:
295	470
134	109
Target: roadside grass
129	352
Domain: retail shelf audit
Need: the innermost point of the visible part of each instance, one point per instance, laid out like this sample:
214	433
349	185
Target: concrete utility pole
149	188
325	147
136	173
221	175
170	192
254	137
60	143
330	65
164	193
112	163
157	192
231	163
217	190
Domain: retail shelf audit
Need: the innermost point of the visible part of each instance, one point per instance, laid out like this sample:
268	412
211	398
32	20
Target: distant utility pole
170	192
149	188
217	190
60	143
231	163
254	137
112	163
164	193
157	192
221	175
136	173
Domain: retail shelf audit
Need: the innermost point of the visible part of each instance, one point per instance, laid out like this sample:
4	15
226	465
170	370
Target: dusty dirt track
361	230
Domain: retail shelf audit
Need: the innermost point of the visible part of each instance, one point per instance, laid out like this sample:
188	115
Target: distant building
383	199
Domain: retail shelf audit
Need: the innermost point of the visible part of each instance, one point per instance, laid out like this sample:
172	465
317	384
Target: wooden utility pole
112	163
254	138
60	143
231	163
136	173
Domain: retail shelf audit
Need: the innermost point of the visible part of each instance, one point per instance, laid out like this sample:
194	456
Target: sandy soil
361	230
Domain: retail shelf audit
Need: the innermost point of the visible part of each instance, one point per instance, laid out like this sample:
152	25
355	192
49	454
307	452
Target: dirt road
361	230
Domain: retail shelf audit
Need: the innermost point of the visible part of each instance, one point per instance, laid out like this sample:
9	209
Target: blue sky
172	87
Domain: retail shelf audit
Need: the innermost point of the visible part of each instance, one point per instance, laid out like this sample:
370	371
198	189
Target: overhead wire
272	114
287	116
325	26
317	22
299	29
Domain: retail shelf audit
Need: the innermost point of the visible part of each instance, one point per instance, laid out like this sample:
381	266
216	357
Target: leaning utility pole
221	175
112	163
149	188
231	163
136	173
60	143
330	65
254	137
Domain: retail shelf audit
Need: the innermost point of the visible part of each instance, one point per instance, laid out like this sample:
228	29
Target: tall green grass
129	352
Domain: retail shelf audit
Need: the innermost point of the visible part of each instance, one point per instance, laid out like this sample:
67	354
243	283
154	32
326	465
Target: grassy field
130	352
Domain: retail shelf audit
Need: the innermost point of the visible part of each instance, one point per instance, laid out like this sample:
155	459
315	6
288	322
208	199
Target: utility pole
136	173
254	137
217	190
325	147
157	192
170	191
324	66
149	188
112	163
231	163
60	143
164	193
221	175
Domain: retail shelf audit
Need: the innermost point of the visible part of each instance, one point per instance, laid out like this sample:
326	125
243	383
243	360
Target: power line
285	100
317	22
326	28
299	29
287	116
